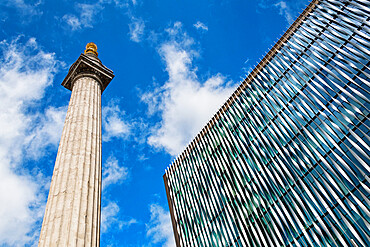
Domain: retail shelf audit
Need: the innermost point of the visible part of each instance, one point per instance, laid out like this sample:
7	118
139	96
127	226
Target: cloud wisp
87	14
25	72
113	173
185	102
110	218
159	228
201	26
24	8
136	29
85	17
48	132
114	124
285	10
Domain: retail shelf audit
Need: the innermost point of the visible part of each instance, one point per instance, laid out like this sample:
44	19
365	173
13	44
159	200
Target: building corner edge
173	221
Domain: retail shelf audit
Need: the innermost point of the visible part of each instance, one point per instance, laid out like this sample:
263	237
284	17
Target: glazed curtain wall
288	162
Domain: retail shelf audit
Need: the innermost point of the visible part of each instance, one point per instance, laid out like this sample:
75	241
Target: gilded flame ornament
92	48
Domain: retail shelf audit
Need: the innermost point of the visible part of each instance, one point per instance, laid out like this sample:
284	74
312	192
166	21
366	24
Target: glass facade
285	161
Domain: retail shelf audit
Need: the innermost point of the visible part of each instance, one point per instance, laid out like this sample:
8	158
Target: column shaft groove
72	214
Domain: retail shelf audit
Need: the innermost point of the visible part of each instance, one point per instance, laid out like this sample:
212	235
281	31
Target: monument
72	214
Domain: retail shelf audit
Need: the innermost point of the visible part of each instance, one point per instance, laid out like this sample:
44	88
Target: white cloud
114	125
120	3
201	25
287	8
21	207
88	12
246	69
86	15
127	223
159	229
72	21
136	29
285	11
110	217
185	103
24	8
48	132
113	173
142	157
25	72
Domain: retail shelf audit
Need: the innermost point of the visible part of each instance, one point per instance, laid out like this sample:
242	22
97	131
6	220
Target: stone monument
72	214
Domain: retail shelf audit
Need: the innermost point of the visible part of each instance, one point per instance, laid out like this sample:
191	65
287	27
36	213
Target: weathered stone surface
72	214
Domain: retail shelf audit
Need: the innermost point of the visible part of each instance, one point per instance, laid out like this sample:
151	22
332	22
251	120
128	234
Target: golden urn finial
92	48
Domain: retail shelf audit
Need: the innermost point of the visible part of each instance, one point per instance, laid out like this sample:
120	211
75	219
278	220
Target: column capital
88	64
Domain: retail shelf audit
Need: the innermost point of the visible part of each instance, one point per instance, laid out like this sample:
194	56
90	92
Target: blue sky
175	63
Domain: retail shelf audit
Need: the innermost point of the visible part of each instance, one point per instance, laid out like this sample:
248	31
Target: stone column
72	214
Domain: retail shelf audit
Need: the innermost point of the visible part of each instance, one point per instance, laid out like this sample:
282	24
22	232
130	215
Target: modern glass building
285	161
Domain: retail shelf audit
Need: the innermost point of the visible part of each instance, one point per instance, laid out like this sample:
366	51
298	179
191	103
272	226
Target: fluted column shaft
72	214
